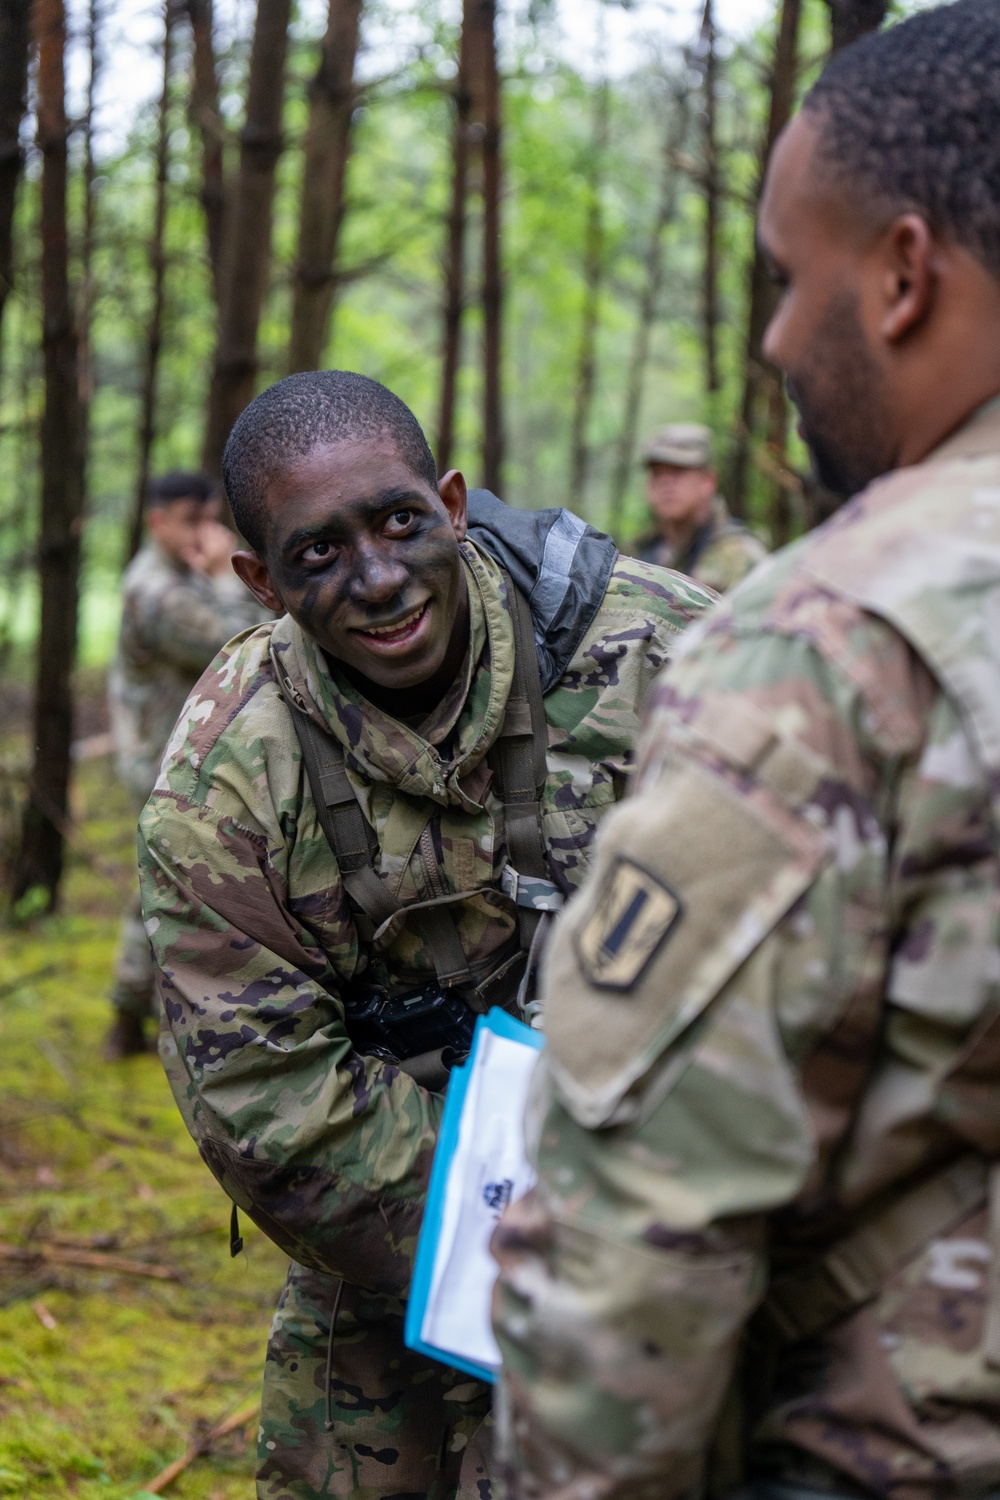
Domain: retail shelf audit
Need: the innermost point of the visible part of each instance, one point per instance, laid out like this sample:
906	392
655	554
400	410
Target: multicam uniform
719	554
773	1024
173	622
255	943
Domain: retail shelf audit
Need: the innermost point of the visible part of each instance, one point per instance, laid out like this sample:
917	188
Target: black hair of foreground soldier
300	413
179	485
909	119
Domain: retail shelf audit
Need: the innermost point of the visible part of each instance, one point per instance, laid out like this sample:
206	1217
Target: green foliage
93	1153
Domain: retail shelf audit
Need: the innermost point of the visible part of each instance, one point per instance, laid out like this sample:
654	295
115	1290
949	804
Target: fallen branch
65	1255
201	1447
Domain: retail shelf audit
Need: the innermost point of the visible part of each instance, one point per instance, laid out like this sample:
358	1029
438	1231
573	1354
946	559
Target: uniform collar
468	718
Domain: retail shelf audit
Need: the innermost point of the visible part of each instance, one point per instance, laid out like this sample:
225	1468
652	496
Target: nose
377	577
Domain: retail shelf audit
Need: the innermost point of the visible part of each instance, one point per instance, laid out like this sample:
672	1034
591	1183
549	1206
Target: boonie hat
688	445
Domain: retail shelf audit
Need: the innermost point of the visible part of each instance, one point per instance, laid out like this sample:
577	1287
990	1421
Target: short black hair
179	485
909	118
299	413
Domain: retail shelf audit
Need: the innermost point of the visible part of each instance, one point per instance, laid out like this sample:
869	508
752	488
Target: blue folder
500	1024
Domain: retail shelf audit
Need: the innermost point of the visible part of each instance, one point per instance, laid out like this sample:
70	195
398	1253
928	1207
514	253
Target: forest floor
126	1330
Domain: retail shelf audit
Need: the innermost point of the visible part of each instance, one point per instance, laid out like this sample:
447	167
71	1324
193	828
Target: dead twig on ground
99	1260
202	1446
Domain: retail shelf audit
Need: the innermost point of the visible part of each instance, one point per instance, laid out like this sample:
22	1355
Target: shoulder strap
347	830
805	1302
517	759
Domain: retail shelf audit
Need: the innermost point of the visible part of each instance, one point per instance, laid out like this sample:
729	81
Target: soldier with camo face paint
761	1256
398	664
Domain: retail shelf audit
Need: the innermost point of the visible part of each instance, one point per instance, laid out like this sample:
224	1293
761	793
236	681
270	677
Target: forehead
340	483
803	210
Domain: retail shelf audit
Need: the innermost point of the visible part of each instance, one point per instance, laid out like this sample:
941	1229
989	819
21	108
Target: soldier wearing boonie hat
692	529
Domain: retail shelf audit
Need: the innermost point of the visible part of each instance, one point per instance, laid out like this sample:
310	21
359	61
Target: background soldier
181	601
443	805
759	1252
692	529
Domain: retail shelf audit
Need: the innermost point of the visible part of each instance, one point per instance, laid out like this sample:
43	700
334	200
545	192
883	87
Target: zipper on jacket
428	858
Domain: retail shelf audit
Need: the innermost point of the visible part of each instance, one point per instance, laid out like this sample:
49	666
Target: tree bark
593	273
758	373
713	196
205	114
41	859
327	150
850	19
649	299
454	297
480	18
158	266
85	308
247	242
15	46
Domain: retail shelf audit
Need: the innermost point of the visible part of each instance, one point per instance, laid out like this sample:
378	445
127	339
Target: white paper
488	1169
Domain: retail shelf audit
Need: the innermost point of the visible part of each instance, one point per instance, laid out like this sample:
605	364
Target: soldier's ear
455	497
253	571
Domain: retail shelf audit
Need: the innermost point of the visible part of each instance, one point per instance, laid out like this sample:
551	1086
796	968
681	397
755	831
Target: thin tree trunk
850	19
646	314
15	46
85	309
158	266
327	150
41	859
454	303
247	242
713	195
485	87
757	372
593	273
205	114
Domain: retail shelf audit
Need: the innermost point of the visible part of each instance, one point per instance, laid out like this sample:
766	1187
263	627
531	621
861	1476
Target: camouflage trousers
133	976
401	1424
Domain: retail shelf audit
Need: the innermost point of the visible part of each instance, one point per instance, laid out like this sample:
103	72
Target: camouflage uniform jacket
774	1005
173	622
719	554
251	929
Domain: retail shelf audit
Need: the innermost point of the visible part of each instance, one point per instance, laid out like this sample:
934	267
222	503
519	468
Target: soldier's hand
212	552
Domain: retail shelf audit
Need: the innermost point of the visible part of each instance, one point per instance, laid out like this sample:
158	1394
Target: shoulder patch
633	915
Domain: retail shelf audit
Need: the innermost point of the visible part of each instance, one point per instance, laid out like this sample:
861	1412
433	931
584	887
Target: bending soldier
758	1257
363	817
181	602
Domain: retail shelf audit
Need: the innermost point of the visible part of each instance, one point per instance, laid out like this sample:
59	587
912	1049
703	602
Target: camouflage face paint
364	556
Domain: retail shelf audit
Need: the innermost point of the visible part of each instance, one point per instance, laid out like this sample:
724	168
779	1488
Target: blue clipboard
500	1024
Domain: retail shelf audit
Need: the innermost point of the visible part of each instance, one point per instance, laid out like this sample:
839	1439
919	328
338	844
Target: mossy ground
134	1368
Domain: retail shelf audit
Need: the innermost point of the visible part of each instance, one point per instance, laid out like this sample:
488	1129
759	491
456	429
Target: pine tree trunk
15	45
646	314
850	19
758	374
85	308
327	150
454	296
205	115
158	266
480	17
713	195
41	859
593	273
247	242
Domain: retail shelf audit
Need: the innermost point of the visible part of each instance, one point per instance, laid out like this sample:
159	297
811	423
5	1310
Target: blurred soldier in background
763	1252
692	529
181	602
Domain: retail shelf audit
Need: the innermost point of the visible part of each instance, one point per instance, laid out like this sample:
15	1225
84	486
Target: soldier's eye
317	552
399	521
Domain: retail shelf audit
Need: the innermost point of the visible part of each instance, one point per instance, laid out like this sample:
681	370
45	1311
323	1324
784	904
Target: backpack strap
517	759
804	1303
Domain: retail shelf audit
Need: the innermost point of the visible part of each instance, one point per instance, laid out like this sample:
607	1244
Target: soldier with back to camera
181	602
365	815
762	1253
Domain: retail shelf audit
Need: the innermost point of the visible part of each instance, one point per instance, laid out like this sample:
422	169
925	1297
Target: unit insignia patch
632	914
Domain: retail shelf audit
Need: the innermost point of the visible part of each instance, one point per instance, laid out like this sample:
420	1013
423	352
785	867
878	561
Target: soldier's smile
397	637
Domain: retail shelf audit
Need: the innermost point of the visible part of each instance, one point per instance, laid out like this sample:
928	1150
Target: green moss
135	1368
